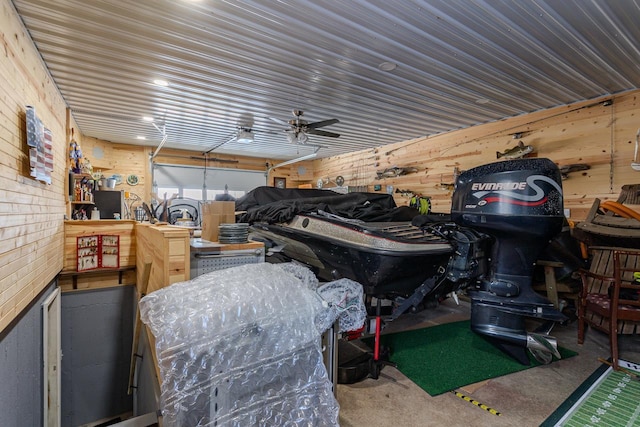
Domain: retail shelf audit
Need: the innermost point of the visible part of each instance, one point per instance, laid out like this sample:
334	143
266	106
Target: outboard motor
519	204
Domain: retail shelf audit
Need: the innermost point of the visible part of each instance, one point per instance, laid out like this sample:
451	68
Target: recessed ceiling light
140	137
388	66
483	101
161	82
147	119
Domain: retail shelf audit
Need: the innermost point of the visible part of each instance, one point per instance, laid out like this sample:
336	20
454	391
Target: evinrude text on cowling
519	203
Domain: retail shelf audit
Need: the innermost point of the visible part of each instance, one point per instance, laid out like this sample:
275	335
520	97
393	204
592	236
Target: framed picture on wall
280	182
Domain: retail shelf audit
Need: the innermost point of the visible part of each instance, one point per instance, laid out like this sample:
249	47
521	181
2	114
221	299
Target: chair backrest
602	268
626	263
630	194
603	263
608	265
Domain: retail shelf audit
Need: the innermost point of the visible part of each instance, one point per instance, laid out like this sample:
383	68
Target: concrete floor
524	398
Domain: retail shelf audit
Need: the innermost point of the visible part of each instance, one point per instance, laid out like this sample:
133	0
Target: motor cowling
519	204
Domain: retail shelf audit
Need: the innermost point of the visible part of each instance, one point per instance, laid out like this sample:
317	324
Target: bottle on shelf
78	193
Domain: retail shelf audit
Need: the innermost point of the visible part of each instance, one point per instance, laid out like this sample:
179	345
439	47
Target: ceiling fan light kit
299	129
302	138
245	136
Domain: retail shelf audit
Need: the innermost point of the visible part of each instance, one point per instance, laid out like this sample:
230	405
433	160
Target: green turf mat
444	357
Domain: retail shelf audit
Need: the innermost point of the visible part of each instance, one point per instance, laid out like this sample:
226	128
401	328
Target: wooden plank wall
122	159
125	229
591	132
31	212
297	174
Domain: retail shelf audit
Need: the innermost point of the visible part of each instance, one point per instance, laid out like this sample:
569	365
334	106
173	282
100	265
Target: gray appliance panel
203	262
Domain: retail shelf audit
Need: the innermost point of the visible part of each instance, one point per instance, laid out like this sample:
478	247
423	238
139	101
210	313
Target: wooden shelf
96	271
80	190
95	222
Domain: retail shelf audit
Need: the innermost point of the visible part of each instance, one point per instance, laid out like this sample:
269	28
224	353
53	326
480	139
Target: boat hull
385	265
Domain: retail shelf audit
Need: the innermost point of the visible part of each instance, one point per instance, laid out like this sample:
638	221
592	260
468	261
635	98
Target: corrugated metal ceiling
234	64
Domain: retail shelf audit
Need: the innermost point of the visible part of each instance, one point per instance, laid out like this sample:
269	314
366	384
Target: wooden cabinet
167	248
97	251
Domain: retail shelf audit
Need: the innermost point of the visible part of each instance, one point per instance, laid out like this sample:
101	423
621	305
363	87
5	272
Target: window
188	181
211	194
192	193
169	191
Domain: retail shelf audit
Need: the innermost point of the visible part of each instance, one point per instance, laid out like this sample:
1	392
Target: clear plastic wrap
345	300
241	347
301	272
343	297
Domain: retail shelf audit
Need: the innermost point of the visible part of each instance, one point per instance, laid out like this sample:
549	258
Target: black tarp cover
275	205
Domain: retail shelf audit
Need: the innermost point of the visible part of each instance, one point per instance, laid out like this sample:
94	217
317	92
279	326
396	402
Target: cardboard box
214	214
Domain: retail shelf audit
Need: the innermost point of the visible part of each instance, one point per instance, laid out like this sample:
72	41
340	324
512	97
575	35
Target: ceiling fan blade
322	133
322	123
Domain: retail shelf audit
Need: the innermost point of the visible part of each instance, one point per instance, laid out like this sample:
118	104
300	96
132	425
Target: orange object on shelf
620	209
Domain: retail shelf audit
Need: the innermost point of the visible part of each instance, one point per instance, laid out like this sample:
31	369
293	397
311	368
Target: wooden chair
609	296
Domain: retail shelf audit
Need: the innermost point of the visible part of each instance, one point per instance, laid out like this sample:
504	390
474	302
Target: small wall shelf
80	187
96	272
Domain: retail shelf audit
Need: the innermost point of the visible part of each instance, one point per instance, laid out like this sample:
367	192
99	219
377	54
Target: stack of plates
233	233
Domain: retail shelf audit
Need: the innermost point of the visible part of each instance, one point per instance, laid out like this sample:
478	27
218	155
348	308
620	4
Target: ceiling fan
245	135
244	129
299	129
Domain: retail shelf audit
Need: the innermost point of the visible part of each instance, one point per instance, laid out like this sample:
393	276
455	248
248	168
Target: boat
329	234
503	216
388	259
412	260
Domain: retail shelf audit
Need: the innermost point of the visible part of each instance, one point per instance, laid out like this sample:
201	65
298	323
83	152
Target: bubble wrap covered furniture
241	347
